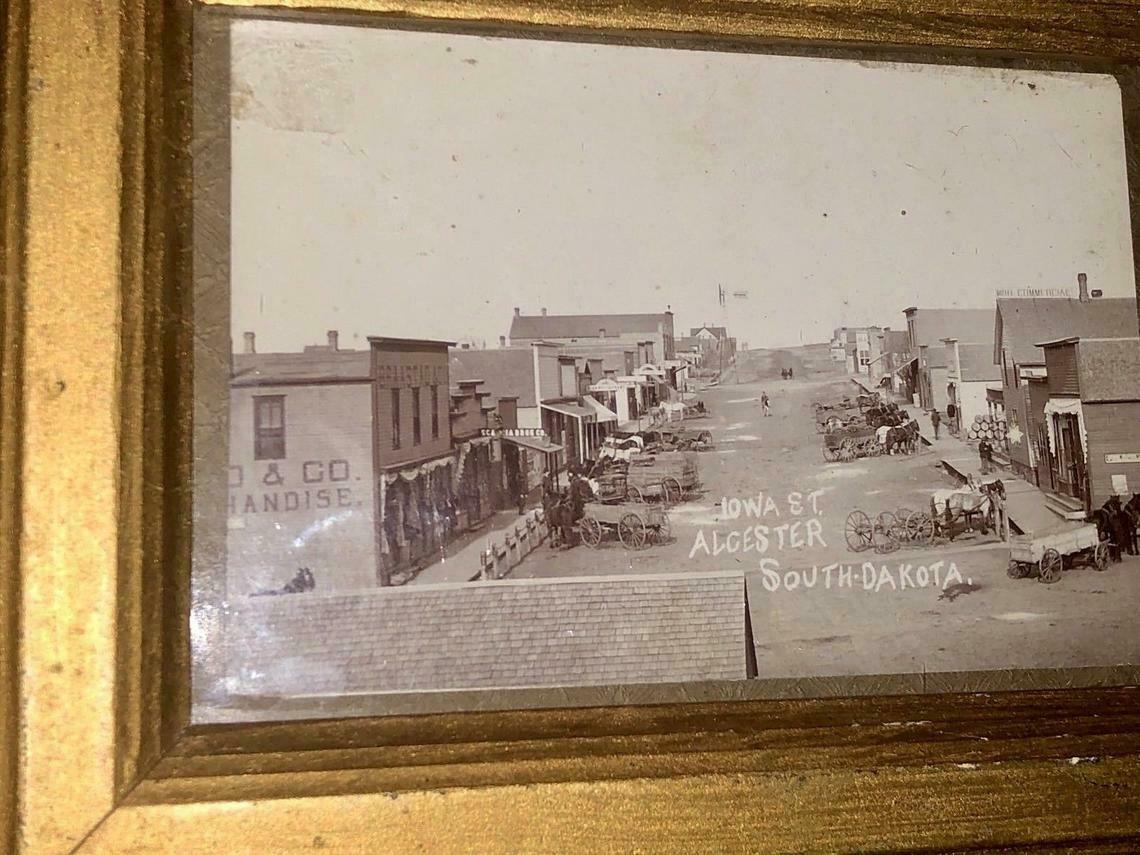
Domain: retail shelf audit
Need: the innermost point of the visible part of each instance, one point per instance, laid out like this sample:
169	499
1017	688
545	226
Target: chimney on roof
249	343
502	341
333	340
544	311
602	332
1083	287
517	312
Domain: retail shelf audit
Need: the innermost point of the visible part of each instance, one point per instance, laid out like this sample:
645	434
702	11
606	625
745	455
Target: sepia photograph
638	373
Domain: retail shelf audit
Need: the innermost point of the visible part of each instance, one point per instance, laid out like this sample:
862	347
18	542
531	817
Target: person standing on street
935	421
764	403
986	456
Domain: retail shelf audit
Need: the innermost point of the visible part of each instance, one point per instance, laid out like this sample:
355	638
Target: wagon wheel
631	531
883	539
920	527
671	492
858	531
634	494
591	531
1017	569
902	515
848	449
662	532
1100	556
830	454
1049	570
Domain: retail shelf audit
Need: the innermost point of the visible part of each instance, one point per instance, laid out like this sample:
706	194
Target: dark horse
559	510
902	439
1116	523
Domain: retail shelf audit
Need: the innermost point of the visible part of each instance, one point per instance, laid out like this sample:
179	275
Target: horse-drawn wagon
850	443
670	476
951	513
636	526
1045	556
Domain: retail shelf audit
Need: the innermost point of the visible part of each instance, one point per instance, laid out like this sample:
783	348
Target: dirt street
817	609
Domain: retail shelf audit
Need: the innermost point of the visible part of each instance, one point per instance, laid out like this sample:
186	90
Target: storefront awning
604	413
572	410
606	385
534	443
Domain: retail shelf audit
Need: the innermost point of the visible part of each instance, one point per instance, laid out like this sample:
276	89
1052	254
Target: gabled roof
313	366
507	371
483	635
719	332
1021	323
529	327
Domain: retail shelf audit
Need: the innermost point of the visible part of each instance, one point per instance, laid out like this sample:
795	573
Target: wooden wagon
1045	556
669	477
850	443
636	525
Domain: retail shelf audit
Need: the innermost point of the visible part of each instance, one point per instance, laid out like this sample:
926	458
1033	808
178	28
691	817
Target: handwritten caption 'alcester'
802	527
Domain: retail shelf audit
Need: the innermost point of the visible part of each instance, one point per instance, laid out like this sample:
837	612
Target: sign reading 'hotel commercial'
1033	292
411	375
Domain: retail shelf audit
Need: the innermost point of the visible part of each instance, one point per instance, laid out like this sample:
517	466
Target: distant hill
808	361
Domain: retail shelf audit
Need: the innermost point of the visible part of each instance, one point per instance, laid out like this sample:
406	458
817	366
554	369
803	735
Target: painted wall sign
1033	292
268	490
411	375
1125	457
513	432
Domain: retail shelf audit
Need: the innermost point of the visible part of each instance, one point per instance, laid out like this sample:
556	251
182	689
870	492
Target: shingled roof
264	369
523	633
1024	322
554	327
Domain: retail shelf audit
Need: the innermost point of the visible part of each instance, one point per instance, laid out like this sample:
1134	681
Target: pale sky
422	185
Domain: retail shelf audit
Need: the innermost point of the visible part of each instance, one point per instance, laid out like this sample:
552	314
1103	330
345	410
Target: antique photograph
553	366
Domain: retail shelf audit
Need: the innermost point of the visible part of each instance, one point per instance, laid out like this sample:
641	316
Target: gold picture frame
96	754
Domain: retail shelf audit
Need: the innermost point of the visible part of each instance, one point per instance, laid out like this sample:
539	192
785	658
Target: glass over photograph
534	373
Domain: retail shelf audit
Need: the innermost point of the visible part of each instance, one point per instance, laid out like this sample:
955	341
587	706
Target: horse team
1117	522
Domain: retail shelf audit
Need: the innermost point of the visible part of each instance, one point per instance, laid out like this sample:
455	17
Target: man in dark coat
935	421
985	456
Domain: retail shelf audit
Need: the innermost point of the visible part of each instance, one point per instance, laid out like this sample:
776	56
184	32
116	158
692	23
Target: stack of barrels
993	428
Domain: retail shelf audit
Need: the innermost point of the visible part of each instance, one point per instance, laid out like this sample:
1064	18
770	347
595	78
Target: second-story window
269	427
416	437
395	418
435	412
